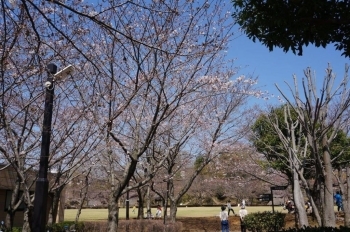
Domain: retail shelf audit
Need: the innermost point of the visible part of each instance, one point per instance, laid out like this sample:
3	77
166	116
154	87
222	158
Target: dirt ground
212	224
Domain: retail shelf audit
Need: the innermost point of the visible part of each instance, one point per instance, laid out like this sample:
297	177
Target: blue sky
278	67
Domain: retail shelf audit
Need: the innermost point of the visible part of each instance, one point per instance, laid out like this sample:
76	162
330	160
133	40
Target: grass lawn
101	214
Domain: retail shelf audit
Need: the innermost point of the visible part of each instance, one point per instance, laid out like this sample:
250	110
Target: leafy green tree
292	24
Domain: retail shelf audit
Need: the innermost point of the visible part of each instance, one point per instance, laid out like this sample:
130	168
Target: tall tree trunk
298	201
26	220
328	212
173	210
314	202
113	212
345	192
347	199
83	196
55	205
140	203
148	202
173	200
9	219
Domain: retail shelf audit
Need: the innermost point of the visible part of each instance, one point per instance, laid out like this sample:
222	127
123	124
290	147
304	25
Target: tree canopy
292	24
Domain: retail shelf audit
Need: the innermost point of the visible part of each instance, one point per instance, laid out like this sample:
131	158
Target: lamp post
127	205
42	183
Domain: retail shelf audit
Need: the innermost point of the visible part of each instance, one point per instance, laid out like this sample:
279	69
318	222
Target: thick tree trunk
113	212
55	206
313	200
299	202
9	219
172	200
328	208
26	219
140	204
173	210
148	202
346	199
316	203
319	189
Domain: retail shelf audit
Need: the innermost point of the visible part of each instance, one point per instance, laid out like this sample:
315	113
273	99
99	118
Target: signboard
265	197
278	187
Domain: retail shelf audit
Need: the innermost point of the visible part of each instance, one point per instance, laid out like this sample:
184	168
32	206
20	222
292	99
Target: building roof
8	177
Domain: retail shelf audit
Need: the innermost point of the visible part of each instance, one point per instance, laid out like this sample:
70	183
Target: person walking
339	201
243	202
159	212
229	208
242	213
225	227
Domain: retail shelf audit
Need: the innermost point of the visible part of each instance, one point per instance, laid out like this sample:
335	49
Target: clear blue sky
278	67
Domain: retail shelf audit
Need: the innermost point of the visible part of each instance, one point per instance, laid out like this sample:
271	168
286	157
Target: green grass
101	214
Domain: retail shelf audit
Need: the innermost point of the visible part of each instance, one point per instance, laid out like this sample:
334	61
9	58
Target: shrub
95	226
317	229
265	221
16	229
146	225
63	226
149	226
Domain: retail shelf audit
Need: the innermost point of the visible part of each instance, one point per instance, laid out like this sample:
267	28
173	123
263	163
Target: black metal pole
127	205
42	184
273	206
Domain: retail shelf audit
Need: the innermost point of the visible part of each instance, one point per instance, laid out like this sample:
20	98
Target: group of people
149	215
308	207
291	208
225	226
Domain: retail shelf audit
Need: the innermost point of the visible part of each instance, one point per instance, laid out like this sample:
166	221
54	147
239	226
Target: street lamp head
54	75
64	72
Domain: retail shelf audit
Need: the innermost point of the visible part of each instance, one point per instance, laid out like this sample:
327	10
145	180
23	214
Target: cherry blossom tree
137	63
205	128
139	87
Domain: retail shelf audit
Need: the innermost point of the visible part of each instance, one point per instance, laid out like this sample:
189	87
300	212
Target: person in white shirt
159	212
243	202
242	213
224	220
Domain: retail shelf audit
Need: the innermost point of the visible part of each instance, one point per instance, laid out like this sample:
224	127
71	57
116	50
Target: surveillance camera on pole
52	69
